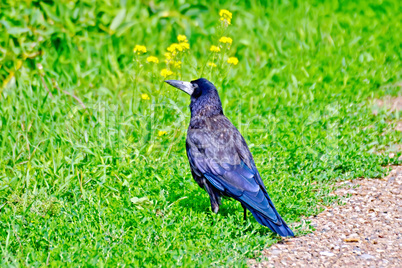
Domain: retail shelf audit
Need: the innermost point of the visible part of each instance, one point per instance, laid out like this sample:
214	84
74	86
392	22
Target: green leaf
118	19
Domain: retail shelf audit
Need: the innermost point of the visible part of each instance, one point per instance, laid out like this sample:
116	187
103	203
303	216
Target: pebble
326	253
367	256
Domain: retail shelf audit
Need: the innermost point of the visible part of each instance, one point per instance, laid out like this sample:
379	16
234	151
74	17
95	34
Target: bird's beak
185	86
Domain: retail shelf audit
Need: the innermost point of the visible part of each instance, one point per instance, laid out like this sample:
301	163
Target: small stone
351	239
326	253
367	256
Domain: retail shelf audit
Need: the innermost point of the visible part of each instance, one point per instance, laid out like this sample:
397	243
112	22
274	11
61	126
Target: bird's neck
206	106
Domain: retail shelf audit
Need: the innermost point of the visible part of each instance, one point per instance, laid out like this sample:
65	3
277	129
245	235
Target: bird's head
195	88
204	96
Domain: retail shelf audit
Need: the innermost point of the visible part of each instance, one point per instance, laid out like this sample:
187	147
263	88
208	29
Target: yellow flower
214	49
233	60
161	133
181	38
168	56
174	47
211	64
140	49
225	40
165	73
145	96
177	64
225	15
184	45
152	59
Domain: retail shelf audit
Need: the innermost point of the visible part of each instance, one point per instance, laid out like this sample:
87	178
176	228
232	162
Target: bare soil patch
390	103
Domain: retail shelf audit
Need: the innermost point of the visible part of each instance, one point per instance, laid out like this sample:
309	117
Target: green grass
99	187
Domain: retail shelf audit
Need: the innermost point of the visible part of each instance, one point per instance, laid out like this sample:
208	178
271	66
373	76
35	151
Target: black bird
220	160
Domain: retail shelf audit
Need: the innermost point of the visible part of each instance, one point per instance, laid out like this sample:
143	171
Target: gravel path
366	232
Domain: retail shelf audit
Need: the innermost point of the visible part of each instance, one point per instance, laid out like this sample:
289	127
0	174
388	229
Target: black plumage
220	160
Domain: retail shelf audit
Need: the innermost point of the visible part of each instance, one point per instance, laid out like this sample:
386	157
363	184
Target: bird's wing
223	158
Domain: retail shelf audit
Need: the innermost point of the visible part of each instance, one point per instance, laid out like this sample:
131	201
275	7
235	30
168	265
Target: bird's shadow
199	203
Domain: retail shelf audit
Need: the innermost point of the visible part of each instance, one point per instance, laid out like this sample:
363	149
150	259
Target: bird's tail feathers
282	230
279	226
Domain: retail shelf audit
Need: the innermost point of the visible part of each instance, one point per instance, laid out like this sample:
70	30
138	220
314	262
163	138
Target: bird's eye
197	91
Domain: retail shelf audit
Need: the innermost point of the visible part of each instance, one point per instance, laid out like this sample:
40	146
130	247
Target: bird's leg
245	212
213	197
